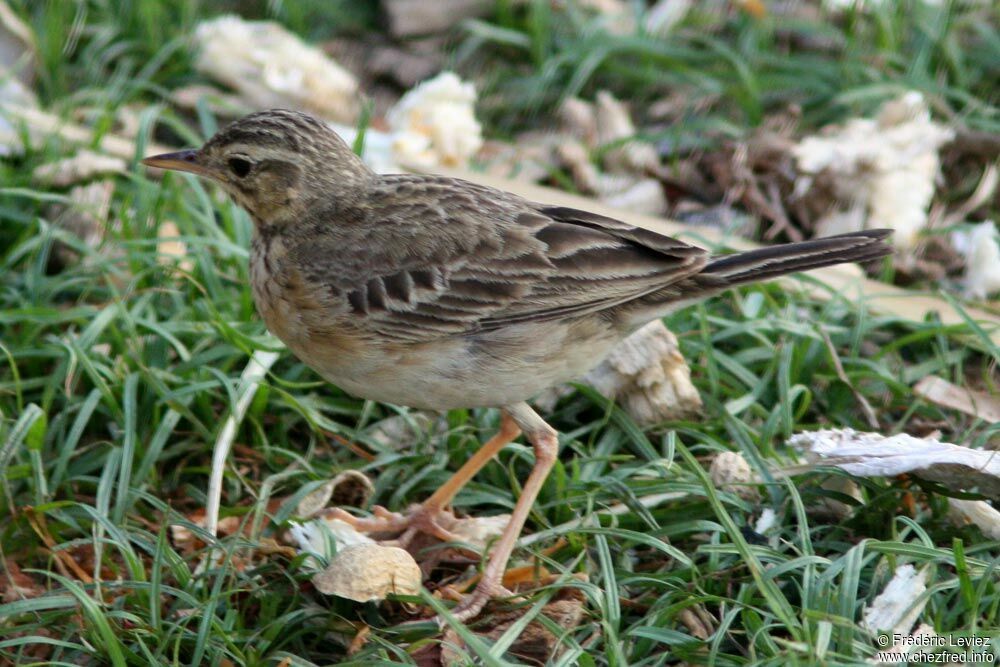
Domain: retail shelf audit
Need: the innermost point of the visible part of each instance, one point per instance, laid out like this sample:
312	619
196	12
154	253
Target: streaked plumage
438	293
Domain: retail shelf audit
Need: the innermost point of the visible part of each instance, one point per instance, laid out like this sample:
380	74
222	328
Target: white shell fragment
324	537
882	170
271	67
366	572
976	512
432	125
897	607
648	376
874	455
615	128
354	482
731	472
981	248
477	531
435	123
767	521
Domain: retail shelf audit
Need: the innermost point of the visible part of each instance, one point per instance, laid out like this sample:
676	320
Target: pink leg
546	444
431	516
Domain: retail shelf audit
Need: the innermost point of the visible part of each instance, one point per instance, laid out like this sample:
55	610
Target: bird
438	293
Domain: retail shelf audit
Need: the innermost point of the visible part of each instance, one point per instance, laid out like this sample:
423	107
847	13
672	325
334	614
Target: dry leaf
695	624
402	431
86	216
218	102
579	120
977	404
477	531
409	18
365	572
16	585
644	196
614	126
170	249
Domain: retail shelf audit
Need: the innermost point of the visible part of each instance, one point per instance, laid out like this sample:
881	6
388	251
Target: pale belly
489	369
485	370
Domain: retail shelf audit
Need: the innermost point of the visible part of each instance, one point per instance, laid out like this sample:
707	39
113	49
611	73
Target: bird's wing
447	257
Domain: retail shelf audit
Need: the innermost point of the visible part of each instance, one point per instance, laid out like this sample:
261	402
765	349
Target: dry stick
258	366
866	407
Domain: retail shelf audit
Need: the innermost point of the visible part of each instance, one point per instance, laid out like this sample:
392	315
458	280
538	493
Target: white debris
170	249
977	512
768	520
645	196
349	487
981	248
662	17
271	67
872	454
366	572
898	606
864	5
435	123
882	170
731	472
648	376
477	531
323	538
616	129
83	166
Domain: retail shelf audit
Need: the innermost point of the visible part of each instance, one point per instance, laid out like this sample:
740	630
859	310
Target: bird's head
277	164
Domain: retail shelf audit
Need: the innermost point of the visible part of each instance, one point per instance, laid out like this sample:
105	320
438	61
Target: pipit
438	293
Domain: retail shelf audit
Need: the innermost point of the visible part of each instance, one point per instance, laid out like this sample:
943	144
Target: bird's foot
430	520
471	604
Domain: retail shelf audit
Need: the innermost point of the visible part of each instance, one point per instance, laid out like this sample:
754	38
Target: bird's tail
755	265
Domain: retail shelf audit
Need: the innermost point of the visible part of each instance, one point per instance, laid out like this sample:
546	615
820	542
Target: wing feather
453	258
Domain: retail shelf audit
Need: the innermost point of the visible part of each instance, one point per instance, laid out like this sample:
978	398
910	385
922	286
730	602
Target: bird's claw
418	519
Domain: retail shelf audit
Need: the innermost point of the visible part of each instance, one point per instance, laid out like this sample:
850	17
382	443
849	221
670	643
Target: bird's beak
189	160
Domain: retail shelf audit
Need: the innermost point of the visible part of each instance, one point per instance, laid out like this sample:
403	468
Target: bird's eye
239	166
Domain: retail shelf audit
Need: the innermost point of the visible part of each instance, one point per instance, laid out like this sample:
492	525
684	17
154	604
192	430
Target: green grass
117	372
731	68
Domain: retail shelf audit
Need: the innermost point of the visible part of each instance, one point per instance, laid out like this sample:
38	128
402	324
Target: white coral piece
882	168
271	67
435	124
981	248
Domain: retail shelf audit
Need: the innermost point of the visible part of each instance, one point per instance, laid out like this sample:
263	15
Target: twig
260	363
866	407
